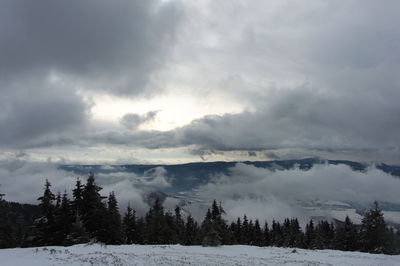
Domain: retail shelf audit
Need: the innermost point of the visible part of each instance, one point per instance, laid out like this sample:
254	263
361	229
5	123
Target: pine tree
191	231
155	224
179	225
346	237
7	238
93	210
44	226
373	231
324	235
77	194
245	231
209	234
63	220
267	235
78	233
276	234
237	231
113	222
310	235
258	234
130	226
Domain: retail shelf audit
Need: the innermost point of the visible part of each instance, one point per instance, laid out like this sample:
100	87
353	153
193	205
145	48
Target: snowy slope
181	255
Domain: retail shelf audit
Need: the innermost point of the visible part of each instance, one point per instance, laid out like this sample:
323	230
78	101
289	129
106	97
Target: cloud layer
312	79
267	195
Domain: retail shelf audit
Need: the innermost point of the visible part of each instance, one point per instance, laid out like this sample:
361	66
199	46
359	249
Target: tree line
89	216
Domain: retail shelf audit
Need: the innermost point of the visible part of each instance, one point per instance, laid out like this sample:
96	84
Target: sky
176	81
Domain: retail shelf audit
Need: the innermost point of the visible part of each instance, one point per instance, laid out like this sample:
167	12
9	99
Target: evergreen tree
191	231
155	224
44	226
258	234
63	220
276	234
130	226
310	236
113	222
78	233
245	231
346	237
77	194
209	234
237	231
93	210
324	235
7	238
374	234
179	225
267	235
294	236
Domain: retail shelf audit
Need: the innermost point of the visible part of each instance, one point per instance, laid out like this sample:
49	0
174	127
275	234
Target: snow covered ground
181	255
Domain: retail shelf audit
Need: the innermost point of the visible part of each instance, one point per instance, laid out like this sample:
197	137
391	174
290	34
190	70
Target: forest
88	216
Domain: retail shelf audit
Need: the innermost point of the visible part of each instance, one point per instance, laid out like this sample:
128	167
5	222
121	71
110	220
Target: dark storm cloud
304	119
53	51
33	108
110	45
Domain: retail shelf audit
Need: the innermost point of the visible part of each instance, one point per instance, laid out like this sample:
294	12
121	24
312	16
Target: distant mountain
185	177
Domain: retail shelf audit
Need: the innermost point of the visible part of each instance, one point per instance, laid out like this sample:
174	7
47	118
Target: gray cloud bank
316	78
52	53
267	195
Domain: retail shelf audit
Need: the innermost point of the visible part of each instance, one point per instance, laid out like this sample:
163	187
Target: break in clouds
258	192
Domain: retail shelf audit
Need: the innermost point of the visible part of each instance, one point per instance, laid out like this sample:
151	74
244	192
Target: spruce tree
267	235
324	235
44	226
238	231
346	237
78	233
63	220
77	194
374	234
93	210
113	222
190	232
155	224
130	226
310	236
258	234
7	238
179	225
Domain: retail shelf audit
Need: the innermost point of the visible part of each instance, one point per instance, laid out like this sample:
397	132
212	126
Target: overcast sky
178	81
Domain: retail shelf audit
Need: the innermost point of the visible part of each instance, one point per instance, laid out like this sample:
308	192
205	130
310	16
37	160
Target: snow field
182	255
